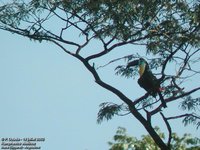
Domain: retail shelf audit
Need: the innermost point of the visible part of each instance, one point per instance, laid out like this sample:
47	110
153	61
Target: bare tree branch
181	116
170	99
169	129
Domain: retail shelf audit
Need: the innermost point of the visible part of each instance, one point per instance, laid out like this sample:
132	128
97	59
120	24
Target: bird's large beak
133	63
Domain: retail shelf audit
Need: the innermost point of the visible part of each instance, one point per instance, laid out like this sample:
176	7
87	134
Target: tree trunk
149	129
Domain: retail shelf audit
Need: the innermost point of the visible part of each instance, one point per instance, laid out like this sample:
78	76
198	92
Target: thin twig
114	60
181	116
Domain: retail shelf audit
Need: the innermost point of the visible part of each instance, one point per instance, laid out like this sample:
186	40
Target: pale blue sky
46	93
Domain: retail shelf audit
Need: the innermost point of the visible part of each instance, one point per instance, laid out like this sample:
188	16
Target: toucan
147	80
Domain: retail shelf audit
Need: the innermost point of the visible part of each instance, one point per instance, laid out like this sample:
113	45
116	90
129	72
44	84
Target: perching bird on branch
147	80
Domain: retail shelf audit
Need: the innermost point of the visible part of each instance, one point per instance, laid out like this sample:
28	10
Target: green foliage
122	141
191	104
126	72
12	14
156	63
108	110
187	142
156	23
192	119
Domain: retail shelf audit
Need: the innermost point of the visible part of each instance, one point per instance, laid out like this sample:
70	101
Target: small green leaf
107	111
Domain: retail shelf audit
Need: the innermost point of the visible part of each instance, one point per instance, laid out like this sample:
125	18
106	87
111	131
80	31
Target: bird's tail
162	100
